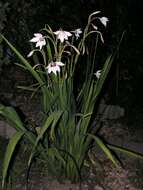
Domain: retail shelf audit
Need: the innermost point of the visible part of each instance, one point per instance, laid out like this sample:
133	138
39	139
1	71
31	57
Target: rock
6	130
97	187
110	111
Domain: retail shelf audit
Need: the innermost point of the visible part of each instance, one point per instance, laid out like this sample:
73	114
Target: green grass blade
57	117
106	68
9	153
11	115
56	153
105	71
126	151
24	61
53	118
105	149
31	70
27	88
22	66
49	52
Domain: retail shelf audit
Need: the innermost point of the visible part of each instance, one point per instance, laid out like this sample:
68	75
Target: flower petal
39	39
104	20
62	35
30	53
39	35
59	63
54	67
57	32
35	39
67	33
98	73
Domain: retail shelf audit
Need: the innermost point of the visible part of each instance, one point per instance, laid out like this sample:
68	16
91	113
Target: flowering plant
67	133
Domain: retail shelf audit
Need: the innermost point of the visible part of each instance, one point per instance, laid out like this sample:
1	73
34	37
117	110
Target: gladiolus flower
30	53
104	20
98	73
62	35
77	33
39	39
54	67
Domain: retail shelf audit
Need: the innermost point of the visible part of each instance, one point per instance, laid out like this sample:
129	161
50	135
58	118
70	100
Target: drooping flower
30	53
39	39
77	33
97	74
95	27
54	67
62	35
104	20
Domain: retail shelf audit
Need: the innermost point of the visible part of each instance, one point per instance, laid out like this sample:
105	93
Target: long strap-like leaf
11	115
125	151
24	61
51	120
105	148
9	153
31	70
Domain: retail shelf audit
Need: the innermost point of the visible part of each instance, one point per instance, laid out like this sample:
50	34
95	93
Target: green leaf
31	70
53	118
104	72
57	116
105	149
11	115
24	61
26	88
9	153
106	68
54	152
22	66
126	151
49	52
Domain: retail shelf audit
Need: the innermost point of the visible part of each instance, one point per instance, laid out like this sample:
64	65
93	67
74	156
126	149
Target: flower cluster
62	36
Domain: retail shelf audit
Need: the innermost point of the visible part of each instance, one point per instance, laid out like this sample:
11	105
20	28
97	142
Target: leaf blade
105	149
9	153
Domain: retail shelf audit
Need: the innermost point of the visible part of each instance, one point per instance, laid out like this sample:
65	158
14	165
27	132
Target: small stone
97	187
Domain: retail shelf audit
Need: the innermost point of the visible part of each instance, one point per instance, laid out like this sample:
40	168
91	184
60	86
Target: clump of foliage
67	133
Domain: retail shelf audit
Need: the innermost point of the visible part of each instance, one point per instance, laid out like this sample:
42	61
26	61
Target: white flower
62	35
39	39
95	27
77	33
98	73
104	20
30	53
54	67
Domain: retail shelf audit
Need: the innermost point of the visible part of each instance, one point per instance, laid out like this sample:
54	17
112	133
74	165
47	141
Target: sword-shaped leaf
24	61
50	122
9	153
11	115
125	151
105	148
